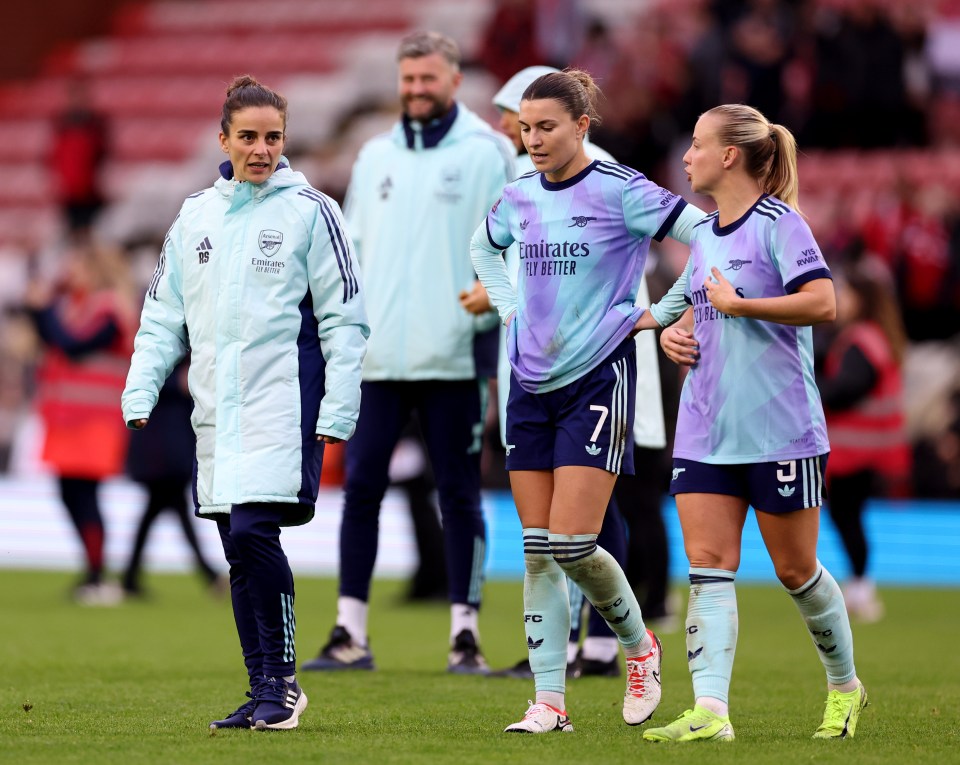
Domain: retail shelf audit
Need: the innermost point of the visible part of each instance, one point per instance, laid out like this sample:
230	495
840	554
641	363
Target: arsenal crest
270	242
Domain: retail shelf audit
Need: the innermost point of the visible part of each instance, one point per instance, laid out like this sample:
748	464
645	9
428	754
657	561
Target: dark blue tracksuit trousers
261	588
450	418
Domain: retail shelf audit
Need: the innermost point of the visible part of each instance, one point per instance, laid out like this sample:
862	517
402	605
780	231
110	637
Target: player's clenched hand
475	301
680	346
721	293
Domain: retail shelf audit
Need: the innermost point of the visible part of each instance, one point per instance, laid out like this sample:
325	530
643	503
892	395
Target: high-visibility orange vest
79	399
871	435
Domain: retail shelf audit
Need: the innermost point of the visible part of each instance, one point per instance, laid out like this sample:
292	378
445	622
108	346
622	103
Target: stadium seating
159	78
160	75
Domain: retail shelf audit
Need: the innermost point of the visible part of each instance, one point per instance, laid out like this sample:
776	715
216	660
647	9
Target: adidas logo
523	226
619	619
203	250
691	655
786	491
593	450
532	644
677	472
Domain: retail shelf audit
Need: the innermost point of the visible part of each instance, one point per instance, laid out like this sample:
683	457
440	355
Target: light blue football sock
546	612
604	584
821	605
712	626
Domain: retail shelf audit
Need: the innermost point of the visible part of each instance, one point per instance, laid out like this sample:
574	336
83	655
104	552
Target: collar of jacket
239	191
226	168
433	132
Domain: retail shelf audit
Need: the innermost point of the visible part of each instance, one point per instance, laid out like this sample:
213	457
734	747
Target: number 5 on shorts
604	411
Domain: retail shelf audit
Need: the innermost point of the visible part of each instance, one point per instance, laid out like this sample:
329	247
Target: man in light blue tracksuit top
415	197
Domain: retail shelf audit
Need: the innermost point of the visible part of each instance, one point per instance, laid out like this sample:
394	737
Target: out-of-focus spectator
759	49
860	96
77	153
522	33
937	456
410	471
862	391
508	42
645	88
86	323
927	264
598	54
558	30
161	459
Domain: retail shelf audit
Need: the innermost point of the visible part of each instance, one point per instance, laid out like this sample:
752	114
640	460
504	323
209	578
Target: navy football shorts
588	422
772	487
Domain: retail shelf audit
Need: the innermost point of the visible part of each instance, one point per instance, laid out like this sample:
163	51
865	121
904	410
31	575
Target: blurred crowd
841	74
871	89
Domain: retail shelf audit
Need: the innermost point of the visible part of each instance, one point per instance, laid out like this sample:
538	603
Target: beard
435	111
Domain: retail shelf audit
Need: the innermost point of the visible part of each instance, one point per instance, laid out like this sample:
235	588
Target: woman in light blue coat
257	278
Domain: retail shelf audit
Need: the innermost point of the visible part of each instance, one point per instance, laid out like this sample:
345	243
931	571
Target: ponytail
769	150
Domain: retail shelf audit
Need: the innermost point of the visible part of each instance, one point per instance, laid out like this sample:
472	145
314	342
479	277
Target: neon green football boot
697	724
842	713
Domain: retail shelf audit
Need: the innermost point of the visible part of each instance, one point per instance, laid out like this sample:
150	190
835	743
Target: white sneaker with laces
541	718
643	685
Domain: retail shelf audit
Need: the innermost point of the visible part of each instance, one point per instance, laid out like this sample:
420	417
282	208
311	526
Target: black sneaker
241	717
279	704
521	671
340	652
465	657
583	667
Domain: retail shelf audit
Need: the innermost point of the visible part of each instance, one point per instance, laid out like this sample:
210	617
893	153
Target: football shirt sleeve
489	241
796	253
690	215
648	209
677	300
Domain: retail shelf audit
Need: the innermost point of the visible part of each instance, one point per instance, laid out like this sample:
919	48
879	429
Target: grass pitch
140	683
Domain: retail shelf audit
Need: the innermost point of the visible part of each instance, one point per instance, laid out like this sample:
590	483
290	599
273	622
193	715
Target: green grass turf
139	684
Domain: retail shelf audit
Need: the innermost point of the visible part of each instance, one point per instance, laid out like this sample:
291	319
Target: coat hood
283	177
